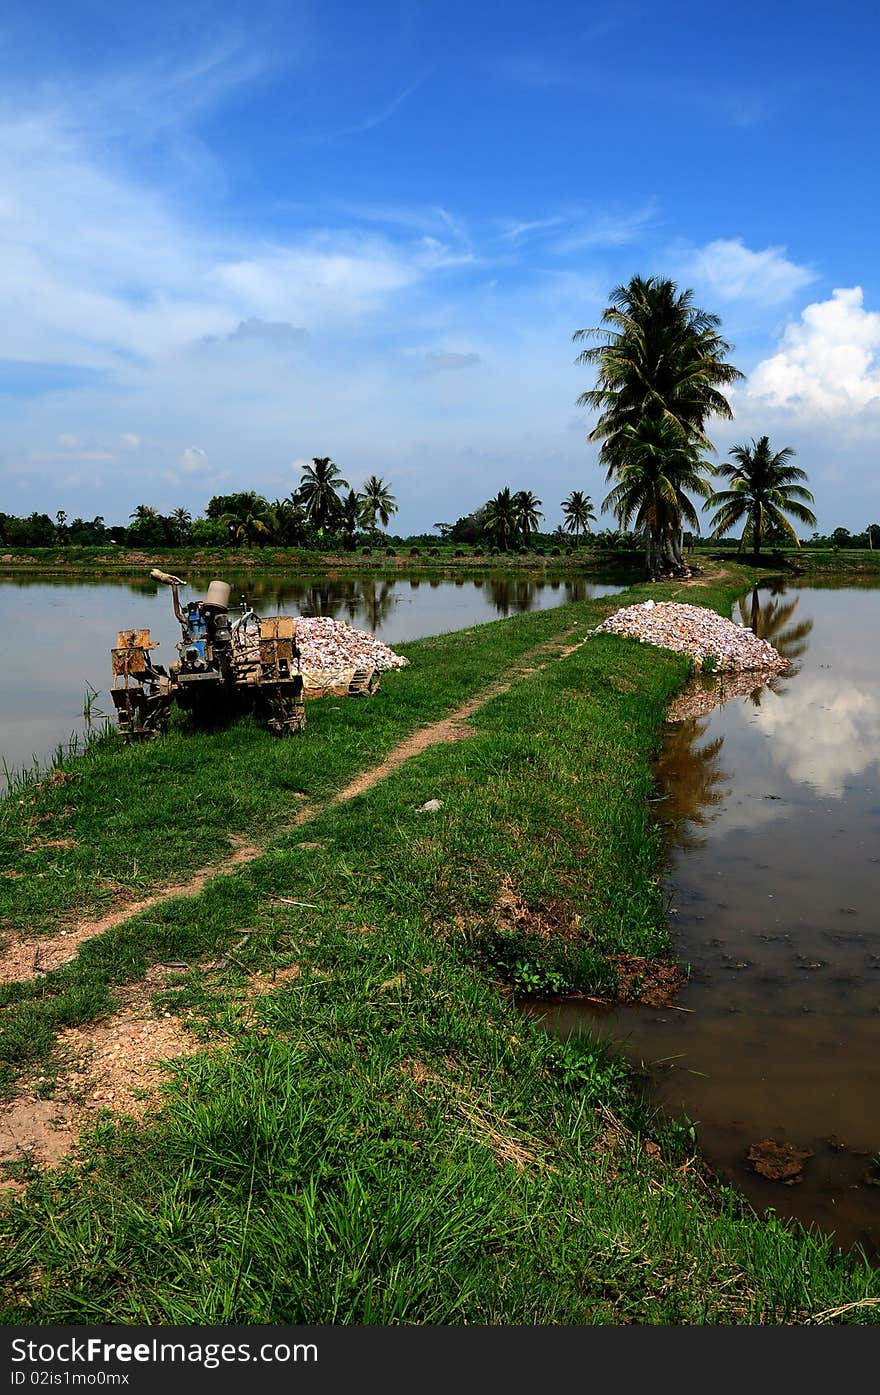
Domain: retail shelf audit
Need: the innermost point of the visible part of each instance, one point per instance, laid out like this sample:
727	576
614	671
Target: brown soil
549	920
115	1064
648	981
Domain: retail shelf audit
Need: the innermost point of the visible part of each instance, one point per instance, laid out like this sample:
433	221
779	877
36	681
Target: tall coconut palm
376	498
661	366
660	356
659	469
319	491
350	517
501	519
764	487
579	513
527	512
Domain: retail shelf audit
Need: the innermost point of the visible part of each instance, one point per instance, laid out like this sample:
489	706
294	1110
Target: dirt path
26	957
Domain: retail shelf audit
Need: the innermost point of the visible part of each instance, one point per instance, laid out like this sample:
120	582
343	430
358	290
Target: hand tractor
227	664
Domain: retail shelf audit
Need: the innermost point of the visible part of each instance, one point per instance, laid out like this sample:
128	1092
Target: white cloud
129	440
193	460
733	271
68	442
828	362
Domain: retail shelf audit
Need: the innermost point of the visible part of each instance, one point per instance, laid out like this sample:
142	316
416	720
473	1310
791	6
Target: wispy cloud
369	122
731	271
578	228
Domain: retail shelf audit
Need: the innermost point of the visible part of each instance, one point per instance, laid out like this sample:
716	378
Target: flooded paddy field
59	633
771	805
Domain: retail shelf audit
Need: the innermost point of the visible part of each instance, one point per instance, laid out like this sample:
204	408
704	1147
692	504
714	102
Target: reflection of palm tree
512	594
691	780
378	600
770	620
321	598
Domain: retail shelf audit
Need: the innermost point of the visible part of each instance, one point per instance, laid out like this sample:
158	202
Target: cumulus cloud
734	272
828	362
450	362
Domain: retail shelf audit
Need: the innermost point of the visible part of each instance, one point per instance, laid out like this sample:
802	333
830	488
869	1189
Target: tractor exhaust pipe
174	582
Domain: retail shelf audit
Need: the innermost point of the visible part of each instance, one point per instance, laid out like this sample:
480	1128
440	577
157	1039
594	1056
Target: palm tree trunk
650	555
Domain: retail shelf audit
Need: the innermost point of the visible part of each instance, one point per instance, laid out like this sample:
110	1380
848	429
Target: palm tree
319	491
527	511
143	513
763	489
376	498
661	356
660	373
501	519
579	513
350	517
251	522
658	464
290	518
181	523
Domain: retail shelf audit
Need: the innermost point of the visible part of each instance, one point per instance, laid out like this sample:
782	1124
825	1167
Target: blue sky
236	237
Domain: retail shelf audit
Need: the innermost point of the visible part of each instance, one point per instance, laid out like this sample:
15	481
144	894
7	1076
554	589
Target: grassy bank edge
52	563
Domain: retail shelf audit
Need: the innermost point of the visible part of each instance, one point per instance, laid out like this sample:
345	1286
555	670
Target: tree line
321	510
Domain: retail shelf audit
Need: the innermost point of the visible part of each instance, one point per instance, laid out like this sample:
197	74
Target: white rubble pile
694	630
332	644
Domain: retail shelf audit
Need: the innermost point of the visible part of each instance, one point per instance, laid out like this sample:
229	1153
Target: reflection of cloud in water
822	735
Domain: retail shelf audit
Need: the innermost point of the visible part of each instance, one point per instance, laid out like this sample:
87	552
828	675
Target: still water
57	635
772	810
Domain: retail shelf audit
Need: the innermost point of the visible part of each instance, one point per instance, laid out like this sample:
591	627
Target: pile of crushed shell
332	644
694	630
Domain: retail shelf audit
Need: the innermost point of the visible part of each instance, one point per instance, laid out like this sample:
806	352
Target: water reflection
691	779
770	618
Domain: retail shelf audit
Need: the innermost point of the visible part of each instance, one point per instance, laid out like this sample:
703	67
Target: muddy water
58	633
772	809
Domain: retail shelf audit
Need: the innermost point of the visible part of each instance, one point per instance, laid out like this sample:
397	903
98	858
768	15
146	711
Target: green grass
383	1138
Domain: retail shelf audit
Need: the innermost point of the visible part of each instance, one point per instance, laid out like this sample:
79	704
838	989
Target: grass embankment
42	562
806	562
381	1138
